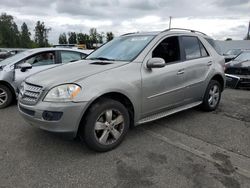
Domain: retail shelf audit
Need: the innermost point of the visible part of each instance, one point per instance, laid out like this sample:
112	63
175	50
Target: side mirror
156	63
25	66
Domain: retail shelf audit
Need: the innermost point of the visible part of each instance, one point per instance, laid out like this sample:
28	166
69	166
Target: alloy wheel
214	96
3	96
109	127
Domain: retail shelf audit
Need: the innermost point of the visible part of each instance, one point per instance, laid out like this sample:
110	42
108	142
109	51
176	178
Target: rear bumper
66	123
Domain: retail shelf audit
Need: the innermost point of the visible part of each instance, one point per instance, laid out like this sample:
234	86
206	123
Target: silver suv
15	69
134	79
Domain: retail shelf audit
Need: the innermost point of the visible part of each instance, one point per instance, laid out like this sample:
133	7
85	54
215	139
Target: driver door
39	62
162	88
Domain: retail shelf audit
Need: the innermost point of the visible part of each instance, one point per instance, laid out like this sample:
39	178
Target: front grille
30	93
238	71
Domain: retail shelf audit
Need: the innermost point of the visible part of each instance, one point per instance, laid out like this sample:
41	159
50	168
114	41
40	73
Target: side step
169	112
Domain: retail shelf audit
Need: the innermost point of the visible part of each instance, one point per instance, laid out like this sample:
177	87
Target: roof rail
191	30
129	33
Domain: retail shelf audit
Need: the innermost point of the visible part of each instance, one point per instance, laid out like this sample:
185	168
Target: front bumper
68	122
238	81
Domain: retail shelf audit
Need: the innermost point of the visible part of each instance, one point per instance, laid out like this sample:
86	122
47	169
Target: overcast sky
218	18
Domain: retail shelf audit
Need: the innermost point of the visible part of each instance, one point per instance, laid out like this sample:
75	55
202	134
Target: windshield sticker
139	39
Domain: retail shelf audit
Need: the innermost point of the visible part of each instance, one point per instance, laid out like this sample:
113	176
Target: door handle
180	72
209	63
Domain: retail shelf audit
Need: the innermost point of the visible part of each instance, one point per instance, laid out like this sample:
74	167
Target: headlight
63	93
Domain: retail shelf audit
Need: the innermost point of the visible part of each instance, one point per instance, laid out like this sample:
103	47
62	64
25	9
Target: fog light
52	116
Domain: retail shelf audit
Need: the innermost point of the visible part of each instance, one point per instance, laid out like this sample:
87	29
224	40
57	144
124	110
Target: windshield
244	56
233	52
125	48
14	58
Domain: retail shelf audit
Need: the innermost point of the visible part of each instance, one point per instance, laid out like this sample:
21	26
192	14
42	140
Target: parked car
231	54
133	79
4	54
15	69
238	71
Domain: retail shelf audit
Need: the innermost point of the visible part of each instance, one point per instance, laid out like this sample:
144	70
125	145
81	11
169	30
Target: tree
109	36
25	41
41	34
100	37
81	38
63	39
84	38
9	34
72	38
93	36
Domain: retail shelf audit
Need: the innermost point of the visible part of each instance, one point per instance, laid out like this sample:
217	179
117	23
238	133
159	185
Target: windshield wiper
102	58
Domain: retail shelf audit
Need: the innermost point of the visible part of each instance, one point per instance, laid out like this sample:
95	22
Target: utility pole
248	32
170	19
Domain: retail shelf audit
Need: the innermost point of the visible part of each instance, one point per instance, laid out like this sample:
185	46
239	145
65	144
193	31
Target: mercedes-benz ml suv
133	79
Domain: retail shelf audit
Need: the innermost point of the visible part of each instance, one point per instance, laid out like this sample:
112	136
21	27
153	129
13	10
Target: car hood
237	64
73	72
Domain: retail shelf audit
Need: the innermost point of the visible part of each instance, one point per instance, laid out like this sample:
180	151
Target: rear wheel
212	96
6	96
106	125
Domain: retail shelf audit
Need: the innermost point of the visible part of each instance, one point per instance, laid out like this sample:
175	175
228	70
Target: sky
220	19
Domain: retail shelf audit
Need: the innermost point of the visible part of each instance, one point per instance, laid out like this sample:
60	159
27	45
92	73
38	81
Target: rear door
39	61
197	66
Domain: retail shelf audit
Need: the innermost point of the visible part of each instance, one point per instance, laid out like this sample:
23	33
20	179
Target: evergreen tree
72	38
9	34
109	36
25	41
41	34
63	39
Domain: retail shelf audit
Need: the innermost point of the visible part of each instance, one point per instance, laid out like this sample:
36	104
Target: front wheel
106	125
212	96
6	96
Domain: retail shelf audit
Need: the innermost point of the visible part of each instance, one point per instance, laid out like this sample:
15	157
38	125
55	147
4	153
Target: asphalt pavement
189	149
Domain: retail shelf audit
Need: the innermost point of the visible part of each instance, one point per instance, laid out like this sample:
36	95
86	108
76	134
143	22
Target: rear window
214	44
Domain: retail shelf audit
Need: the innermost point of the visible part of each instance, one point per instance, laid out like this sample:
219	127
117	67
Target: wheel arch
9	86
220	79
123	99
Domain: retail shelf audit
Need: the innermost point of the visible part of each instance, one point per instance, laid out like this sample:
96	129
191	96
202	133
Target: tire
105	125
212	96
6	96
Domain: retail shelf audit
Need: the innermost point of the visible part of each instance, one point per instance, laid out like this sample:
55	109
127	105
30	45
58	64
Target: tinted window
68	56
191	47
168	50
41	59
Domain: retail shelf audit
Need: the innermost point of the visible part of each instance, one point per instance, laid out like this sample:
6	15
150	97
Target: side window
45	58
68	56
214	44
204	52
168	49
191	47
